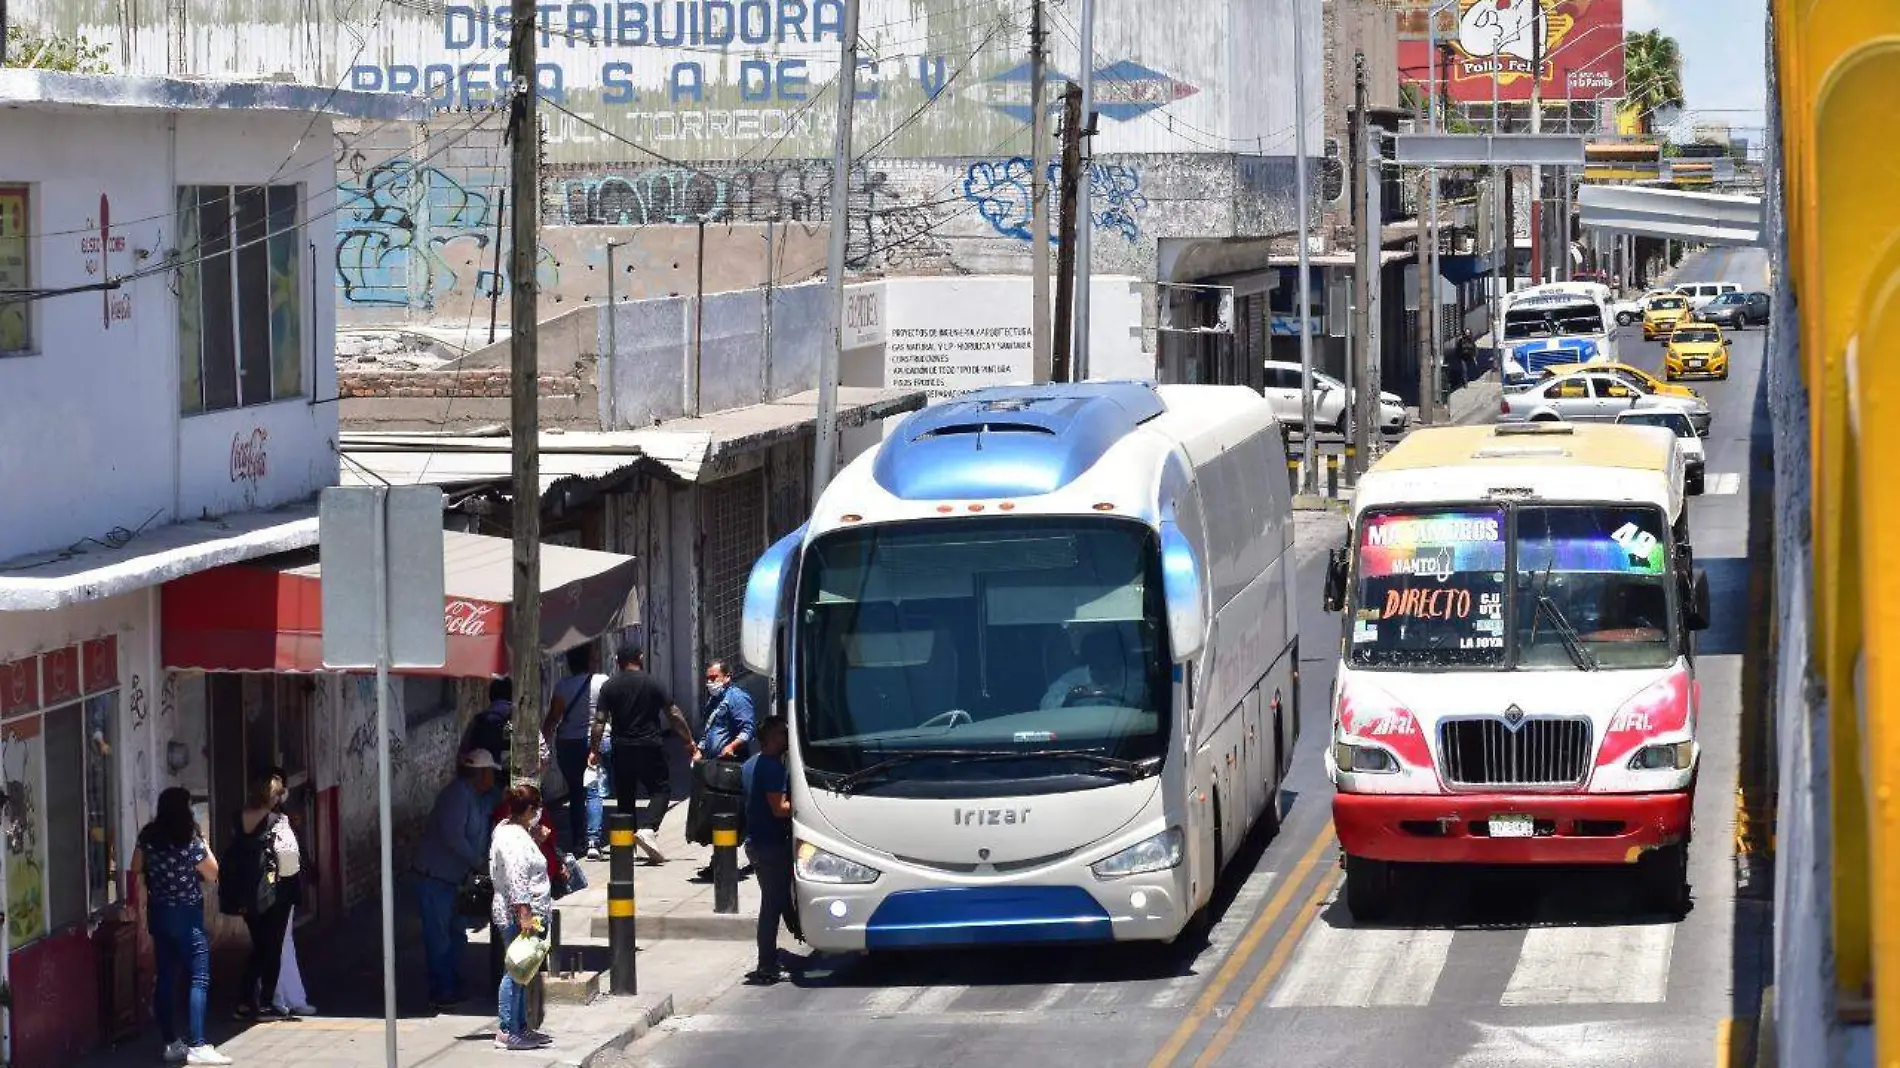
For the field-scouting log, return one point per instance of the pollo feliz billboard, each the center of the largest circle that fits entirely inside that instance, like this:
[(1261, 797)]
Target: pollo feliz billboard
[(1580, 41)]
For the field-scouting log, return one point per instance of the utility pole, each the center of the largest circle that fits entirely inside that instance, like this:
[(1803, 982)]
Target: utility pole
[(1501, 268), (1364, 397), (1309, 479), (825, 449), (524, 614), (1040, 357), (1427, 312), (1510, 228), (1084, 217), (1539, 247), (1062, 367), (1436, 336)]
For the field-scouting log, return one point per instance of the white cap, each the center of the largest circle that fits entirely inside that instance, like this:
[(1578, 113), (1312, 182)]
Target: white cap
[(479, 759)]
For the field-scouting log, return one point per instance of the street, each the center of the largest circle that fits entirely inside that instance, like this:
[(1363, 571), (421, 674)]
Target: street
[(1480, 969)]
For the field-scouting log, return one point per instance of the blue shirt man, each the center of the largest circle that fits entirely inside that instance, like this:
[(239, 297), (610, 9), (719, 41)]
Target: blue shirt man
[(768, 843), (731, 719)]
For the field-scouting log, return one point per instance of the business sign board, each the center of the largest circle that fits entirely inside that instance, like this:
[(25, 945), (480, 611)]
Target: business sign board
[(1482, 41)]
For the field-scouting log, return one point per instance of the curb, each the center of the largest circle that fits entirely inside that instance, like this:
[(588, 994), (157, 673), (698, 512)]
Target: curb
[(642, 1022), (736, 927)]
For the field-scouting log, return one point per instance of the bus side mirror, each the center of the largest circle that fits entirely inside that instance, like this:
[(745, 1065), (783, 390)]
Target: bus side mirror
[(768, 592), (1699, 600), (1184, 592), (1335, 595)]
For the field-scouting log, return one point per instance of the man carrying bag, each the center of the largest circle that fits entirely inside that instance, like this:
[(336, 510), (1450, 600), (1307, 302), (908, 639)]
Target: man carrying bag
[(718, 785)]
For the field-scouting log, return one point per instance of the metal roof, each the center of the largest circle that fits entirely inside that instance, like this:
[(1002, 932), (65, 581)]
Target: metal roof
[(1505, 445), (58, 91)]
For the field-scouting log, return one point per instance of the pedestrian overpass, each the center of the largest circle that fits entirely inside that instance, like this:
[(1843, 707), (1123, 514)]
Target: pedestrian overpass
[(1703, 218)]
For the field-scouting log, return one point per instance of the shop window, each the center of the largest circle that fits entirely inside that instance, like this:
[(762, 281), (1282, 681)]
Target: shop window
[(240, 306), (57, 748), (16, 275)]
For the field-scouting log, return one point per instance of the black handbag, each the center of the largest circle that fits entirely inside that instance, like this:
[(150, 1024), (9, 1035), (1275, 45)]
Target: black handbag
[(475, 898), (718, 787)]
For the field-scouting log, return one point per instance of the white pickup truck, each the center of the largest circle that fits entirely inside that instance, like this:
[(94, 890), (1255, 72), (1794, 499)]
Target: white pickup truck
[(1630, 312)]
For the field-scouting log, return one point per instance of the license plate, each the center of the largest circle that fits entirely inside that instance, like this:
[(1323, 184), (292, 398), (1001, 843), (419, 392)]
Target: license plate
[(1513, 827)]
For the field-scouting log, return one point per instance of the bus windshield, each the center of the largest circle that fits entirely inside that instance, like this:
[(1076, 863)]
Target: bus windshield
[(982, 657), (1589, 588)]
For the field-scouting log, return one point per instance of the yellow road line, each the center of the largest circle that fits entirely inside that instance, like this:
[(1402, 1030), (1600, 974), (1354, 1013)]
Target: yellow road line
[(1296, 929), (1237, 958), (1725, 1043)]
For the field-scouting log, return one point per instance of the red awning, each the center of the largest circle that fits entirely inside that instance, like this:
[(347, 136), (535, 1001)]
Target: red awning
[(267, 615)]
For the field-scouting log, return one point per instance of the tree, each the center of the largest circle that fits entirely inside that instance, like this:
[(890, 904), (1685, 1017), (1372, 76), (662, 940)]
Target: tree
[(26, 47), (1653, 74)]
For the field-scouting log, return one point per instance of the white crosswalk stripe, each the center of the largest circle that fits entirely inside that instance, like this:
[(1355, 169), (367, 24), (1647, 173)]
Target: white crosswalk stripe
[(1593, 966), (1728, 482), (1354, 967)]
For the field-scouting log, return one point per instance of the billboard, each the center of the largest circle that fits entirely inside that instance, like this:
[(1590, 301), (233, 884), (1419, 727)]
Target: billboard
[(1486, 41)]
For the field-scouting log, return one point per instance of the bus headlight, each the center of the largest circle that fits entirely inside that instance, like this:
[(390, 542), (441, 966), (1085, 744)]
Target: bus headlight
[(1159, 853), (817, 866), (1363, 758), (1676, 756)]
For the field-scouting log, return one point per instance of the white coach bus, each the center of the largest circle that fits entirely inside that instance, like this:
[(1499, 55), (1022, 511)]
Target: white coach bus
[(1039, 652)]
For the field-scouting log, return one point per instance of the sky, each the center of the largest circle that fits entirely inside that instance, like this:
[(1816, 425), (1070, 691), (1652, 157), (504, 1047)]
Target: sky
[(1723, 62)]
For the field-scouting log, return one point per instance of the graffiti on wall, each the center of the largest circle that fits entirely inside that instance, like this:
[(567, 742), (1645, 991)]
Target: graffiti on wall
[(888, 226), (1000, 191), (409, 235)]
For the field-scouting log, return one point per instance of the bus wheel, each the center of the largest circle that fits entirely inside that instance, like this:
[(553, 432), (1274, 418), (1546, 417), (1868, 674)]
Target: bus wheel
[(1369, 888), (1664, 875)]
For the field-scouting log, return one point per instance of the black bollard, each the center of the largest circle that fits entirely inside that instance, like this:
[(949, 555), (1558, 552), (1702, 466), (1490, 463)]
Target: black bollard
[(725, 837), (1332, 475), (1293, 473), (620, 903)]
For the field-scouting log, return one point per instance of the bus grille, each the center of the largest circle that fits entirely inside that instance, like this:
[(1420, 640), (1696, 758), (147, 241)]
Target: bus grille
[(1540, 752)]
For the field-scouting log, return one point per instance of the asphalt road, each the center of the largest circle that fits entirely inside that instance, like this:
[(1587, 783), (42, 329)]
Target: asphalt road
[(1482, 969)]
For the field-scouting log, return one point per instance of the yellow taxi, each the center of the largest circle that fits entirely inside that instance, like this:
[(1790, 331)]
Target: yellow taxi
[(1663, 314), (1636, 376), (1696, 350)]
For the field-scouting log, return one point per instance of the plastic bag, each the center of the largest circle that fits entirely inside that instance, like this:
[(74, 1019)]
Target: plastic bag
[(525, 956)]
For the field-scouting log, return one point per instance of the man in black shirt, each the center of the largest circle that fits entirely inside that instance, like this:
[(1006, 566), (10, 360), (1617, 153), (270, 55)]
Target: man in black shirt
[(641, 712)]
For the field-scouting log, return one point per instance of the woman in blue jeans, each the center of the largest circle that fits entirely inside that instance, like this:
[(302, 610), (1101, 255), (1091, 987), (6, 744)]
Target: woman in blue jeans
[(172, 855), (523, 899)]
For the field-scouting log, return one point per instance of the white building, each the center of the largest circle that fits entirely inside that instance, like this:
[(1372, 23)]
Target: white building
[(166, 327)]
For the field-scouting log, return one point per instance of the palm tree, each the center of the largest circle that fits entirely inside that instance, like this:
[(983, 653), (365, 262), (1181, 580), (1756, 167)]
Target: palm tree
[(1652, 74)]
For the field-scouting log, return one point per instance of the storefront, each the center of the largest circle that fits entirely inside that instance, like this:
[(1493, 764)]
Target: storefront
[(242, 647)]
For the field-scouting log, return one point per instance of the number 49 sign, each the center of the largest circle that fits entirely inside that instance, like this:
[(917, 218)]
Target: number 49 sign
[(1639, 543)]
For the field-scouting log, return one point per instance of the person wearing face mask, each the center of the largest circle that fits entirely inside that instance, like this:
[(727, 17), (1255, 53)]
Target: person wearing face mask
[(730, 723)]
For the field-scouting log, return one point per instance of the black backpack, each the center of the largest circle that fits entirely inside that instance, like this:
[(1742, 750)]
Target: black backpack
[(247, 870)]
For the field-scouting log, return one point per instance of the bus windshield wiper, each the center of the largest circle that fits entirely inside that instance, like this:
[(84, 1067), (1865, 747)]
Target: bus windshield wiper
[(1134, 769), (1567, 634)]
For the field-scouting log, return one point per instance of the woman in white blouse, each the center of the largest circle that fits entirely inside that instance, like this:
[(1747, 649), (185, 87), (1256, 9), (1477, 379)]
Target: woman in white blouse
[(523, 899)]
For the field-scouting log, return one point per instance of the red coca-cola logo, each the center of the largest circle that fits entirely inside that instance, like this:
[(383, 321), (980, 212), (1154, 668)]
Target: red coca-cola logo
[(248, 459), (467, 618)]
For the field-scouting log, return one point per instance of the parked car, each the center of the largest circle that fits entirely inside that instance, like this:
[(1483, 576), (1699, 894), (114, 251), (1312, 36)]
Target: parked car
[(1696, 350), (1701, 293), (1662, 315), (1594, 396), (1694, 453), (1282, 391), (1737, 310)]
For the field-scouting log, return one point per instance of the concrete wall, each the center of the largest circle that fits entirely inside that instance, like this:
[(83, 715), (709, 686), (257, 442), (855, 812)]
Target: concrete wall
[(93, 438), (747, 78), (1807, 1025), (422, 215)]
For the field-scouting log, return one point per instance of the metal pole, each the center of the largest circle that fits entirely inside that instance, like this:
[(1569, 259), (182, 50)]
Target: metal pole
[(1366, 235), (621, 908), (613, 342), (1310, 480), (494, 287), (1437, 337), (385, 822), (1041, 358), (1540, 250), (825, 449), (1500, 241), (1062, 361), (1085, 189)]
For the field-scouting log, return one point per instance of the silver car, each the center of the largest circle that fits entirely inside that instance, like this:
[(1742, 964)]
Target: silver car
[(1595, 396)]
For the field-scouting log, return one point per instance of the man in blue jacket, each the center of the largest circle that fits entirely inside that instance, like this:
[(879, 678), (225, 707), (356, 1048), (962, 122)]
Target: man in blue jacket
[(454, 843)]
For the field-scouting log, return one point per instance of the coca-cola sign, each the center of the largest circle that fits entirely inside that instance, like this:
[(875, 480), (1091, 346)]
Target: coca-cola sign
[(468, 619), (249, 462)]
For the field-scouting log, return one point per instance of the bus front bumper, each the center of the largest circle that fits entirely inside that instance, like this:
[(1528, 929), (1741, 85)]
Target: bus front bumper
[(851, 919), (1457, 828)]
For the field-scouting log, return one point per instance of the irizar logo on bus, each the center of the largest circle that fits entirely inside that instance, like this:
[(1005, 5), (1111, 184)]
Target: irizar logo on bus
[(989, 817)]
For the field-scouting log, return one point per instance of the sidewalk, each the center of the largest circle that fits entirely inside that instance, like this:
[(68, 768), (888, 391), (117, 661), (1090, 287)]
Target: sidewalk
[(678, 972)]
